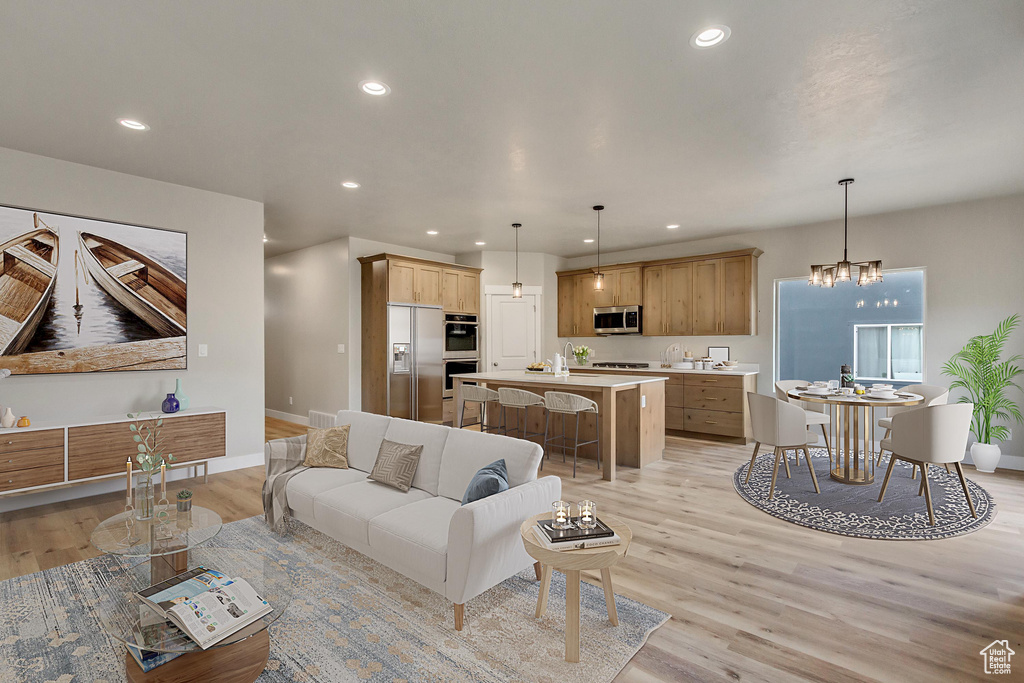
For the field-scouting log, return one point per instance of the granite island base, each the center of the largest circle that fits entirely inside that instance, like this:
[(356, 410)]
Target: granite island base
[(632, 410)]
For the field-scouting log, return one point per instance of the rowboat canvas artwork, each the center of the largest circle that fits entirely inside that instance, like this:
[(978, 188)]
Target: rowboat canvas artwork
[(85, 295)]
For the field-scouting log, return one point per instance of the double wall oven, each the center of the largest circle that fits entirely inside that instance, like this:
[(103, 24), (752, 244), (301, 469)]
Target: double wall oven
[(461, 347)]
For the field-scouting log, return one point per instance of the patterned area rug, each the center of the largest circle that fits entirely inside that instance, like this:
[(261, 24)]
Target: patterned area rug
[(855, 511), (351, 619)]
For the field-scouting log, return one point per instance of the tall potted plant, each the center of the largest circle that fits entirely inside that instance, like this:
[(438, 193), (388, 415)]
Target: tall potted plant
[(988, 383)]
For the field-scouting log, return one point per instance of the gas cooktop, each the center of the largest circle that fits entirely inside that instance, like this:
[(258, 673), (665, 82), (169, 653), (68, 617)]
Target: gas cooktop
[(622, 364)]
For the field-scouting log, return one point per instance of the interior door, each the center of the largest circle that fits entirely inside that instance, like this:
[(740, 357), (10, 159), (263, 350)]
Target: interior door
[(512, 332), (706, 279), (655, 302), (401, 282), (736, 285), (679, 296)]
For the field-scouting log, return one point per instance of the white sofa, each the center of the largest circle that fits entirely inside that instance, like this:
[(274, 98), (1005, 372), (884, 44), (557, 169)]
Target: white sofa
[(426, 533)]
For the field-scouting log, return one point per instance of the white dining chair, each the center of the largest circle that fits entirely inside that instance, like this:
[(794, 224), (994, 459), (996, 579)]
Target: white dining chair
[(933, 435), (815, 413), (781, 425), (933, 396)]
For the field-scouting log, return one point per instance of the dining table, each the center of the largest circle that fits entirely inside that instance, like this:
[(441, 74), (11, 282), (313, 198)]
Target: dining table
[(853, 429)]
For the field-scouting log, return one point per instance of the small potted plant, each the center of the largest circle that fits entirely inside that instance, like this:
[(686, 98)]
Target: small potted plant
[(184, 500), (988, 383), (582, 353)]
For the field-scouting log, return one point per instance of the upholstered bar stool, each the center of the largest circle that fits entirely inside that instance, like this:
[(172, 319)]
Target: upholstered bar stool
[(519, 400), (567, 404), (472, 393), (814, 413), (781, 425)]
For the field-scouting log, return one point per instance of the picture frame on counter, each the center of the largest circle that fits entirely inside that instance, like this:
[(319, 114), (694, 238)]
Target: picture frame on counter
[(718, 353)]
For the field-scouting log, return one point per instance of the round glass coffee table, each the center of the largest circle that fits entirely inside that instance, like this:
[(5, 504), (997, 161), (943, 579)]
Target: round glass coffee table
[(241, 656)]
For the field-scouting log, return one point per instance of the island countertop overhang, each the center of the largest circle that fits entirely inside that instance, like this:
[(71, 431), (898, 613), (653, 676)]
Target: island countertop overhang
[(577, 380)]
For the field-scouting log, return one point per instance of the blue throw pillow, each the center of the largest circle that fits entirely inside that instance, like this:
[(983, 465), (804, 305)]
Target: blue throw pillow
[(488, 481)]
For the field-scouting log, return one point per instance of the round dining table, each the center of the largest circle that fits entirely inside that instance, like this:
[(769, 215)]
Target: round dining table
[(853, 430)]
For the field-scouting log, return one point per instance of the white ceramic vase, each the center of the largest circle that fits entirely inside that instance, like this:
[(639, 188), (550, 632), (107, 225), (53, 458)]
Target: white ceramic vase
[(985, 456), (8, 419)]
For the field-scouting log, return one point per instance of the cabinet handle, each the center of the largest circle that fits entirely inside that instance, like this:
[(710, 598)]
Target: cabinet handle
[(10, 461), (710, 422), (710, 380), (710, 398), (9, 443), (10, 481)]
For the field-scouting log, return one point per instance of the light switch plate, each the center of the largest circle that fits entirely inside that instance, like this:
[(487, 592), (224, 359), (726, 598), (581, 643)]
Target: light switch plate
[(341, 348), (202, 351)]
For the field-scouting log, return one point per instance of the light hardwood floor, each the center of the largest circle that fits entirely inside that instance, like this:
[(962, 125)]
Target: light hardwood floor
[(752, 598)]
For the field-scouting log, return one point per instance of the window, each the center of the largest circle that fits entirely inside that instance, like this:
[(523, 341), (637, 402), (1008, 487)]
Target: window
[(893, 352), (877, 330)]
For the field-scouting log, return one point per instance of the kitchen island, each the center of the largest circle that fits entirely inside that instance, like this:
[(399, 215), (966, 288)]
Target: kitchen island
[(632, 410)]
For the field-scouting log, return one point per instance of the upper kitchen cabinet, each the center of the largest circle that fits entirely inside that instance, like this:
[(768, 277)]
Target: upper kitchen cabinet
[(461, 291), (429, 283), (707, 295)]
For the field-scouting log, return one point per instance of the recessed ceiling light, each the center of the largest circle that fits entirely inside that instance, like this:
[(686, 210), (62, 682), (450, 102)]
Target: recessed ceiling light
[(710, 36), (673, 226), (374, 88), (480, 244), (134, 125), (431, 232), (588, 241), (350, 185)]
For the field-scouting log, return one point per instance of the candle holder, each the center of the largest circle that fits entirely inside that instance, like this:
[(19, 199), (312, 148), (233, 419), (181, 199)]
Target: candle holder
[(588, 514), (561, 515), (144, 503)]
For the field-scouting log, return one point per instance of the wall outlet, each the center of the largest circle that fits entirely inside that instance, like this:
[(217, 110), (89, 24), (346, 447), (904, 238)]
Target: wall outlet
[(290, 401), (202, 351), (341, 348)]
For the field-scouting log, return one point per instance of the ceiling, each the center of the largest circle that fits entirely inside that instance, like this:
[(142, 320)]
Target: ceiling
[(528, 111)]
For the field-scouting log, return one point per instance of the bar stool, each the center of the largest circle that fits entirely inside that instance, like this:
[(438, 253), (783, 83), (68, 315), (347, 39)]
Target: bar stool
[(483, 396), (519, 399), (570, 404)]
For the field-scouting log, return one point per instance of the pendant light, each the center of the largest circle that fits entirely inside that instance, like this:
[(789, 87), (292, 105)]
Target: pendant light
[(598, 276), (828, 275), (517, 286)]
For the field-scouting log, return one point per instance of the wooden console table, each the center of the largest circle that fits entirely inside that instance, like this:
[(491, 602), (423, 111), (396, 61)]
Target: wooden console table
[(51, 455)]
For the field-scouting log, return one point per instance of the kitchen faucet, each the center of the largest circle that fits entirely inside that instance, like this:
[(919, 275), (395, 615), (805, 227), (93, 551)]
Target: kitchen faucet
[(572, 349)]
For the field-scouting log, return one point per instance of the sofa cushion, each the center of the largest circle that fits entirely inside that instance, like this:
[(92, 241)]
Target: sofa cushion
[(413, 540), (433, 438), (467, 451), (327, 447), (304, 487), (486, 482), (396, 464), (344, 513), (364, 438)]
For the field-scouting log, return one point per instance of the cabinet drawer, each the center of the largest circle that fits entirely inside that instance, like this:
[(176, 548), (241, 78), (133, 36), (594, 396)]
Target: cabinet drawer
[(40, 457), (711, 397), (35, 476), (674, 418), (729, 381), (714, 422), (24, 441), (674, 395)]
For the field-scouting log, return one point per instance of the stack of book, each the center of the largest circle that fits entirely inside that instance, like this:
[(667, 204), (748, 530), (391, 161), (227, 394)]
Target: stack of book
[(574, 538)]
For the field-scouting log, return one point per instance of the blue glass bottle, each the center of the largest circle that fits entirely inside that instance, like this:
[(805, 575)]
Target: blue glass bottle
[(170, 404)]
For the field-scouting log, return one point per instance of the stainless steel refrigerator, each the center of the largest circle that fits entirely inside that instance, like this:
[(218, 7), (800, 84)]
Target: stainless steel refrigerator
[(415, 377)]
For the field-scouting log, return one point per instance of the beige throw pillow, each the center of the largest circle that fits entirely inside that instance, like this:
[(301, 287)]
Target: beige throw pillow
[(327, 447), (396, 464)]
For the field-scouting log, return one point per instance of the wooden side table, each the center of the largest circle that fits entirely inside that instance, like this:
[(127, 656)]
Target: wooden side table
[(571, 563)]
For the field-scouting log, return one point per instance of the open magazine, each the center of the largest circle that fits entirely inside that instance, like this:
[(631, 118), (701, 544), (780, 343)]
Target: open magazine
[(206, 604)]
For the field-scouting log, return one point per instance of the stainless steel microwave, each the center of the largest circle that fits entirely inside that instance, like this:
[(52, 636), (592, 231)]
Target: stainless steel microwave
[(618, 320)]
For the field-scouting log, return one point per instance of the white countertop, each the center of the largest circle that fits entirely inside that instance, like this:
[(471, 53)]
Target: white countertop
[(740, 370), (38, 425), (579, 378)]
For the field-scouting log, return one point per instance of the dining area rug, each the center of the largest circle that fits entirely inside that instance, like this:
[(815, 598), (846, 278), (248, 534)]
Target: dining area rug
[(854, 510), (350, 619)]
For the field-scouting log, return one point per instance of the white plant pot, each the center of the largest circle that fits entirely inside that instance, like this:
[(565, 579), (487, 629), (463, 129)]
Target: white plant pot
[(985, 456)]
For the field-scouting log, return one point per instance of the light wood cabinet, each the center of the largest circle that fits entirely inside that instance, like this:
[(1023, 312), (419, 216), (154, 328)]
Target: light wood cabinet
[(566, 306), (577, 297), (585, 301), (401, 282), (706, 296), (622, 287), (667, 300), (461, 291), (655, 313), (428, 285), (738, 307)]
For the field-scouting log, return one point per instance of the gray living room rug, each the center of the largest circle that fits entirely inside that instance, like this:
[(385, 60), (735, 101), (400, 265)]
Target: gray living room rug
[(351, 619)]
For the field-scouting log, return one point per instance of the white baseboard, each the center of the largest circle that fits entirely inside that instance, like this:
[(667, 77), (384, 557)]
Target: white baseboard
[(288, 417), (96, 488)]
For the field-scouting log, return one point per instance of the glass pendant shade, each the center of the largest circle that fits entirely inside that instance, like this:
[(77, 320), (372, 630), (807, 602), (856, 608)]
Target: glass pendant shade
[(598, 281), (863, 277), (815, 278), (875, 271), (827, 278), (517, 290), (843, 271)]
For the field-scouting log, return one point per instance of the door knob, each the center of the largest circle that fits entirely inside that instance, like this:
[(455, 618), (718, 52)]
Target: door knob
[(495, 364)]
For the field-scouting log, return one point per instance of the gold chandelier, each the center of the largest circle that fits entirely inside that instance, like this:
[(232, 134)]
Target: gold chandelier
[(827, 275)]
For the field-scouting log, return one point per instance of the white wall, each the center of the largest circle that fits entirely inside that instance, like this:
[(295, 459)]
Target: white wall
[(313, 303), (225, 302), (972, 253)]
